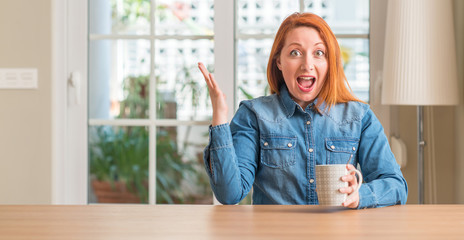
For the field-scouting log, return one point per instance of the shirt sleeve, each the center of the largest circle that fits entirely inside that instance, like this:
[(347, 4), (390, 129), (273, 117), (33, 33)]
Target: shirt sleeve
[(384, 184), (231, 156)]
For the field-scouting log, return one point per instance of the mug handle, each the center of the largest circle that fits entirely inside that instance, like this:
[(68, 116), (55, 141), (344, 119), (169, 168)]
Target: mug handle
[(360, 177)]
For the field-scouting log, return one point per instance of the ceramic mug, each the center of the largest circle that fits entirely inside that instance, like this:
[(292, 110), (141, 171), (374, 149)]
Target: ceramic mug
[(328, 183)]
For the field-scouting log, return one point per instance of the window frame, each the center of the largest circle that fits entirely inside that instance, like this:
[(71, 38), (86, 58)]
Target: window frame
[(69, 118), (70, 121)]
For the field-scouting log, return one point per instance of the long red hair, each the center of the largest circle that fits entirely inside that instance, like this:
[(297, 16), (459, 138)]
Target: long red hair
[(336, 88)]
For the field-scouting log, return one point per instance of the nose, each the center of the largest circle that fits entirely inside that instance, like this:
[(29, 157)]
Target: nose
[(307, 64)]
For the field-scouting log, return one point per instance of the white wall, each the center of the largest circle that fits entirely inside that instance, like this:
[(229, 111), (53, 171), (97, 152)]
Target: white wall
[(25, 115)]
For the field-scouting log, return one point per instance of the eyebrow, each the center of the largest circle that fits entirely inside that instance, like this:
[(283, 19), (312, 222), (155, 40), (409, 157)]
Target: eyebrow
[(299, 44)]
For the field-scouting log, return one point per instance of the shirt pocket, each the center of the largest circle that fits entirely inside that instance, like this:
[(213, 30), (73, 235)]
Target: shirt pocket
[(278, 151), (339, 150)]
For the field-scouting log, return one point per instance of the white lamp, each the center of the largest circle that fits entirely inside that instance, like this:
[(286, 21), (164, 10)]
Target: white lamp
[(420, 61)]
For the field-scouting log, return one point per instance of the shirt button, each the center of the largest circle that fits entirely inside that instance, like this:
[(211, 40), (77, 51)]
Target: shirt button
[(289, 145), (311, 180), (308, 122), (354, 149), (265, 144), (311, 150), (333, 147)]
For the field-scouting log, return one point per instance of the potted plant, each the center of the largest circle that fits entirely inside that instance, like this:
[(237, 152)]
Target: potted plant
[(119, 156), (119, 164)]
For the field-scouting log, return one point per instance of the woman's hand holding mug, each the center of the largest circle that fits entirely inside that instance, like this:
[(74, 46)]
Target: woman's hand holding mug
[(337, 185), (352, 190)]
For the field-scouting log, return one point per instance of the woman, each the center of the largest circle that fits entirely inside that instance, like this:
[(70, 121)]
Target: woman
[(273, 143)]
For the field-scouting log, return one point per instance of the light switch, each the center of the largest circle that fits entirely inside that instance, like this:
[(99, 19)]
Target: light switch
[(18, 78)]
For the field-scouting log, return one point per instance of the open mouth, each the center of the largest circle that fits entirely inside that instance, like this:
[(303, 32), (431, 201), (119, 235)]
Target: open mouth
[(306, 83)]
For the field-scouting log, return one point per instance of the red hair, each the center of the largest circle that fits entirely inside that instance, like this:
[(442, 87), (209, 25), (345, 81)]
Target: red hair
[(336, 88)]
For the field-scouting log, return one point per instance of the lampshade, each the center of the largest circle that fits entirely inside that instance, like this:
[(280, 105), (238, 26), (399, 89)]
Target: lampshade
[(420, 56)]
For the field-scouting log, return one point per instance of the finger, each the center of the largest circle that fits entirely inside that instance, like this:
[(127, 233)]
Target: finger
[(216, 87), (203, 69), (205, 73), (349, 167), (348, 190), (213, 81), (348, 178), (350, 203), (352, 200)]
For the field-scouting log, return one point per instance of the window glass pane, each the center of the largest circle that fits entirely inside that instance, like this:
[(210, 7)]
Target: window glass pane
[(253, 55), (181, 90), (119, 17), (355, 55), (263, 16), (118, 164), (343, 16), (184, 17), (180, 172), (119, 73)]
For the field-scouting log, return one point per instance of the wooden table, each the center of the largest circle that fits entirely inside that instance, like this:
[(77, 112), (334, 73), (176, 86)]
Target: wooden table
[(229, 222)]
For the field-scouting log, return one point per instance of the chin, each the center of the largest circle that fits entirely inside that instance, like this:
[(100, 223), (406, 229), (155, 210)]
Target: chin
[(308, 98)]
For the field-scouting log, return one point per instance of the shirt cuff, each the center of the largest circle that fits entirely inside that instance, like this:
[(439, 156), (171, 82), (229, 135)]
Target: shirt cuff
[(220, 136), (367, 198)]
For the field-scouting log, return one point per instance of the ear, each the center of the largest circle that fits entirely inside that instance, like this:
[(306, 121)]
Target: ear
[(279, 65)]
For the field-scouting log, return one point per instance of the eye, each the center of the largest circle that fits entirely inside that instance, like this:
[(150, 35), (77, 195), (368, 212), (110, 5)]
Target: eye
[(320, 53), (295, 53)]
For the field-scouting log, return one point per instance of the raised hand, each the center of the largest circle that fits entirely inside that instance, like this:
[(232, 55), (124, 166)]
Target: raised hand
[(218, 99)]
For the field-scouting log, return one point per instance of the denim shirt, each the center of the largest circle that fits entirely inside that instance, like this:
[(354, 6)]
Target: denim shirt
[(274, 145)]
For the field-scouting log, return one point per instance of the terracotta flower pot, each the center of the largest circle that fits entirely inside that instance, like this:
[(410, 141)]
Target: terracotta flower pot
[(116, 193)]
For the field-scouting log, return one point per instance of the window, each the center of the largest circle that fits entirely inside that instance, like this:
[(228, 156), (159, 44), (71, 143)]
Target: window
[(257, 23), (148, 107)]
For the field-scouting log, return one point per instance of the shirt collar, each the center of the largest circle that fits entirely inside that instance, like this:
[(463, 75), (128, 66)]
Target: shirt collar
[(289, 104)]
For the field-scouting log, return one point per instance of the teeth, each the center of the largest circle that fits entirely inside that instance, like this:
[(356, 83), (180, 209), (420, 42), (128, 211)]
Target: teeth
[(306, 78)]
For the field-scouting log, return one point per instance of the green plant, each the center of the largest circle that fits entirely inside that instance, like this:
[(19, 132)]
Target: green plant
[(129, 11), (121, 154), (171, 169)]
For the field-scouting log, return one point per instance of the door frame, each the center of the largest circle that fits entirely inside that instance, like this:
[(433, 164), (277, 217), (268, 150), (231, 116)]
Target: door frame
[(69, 102)]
